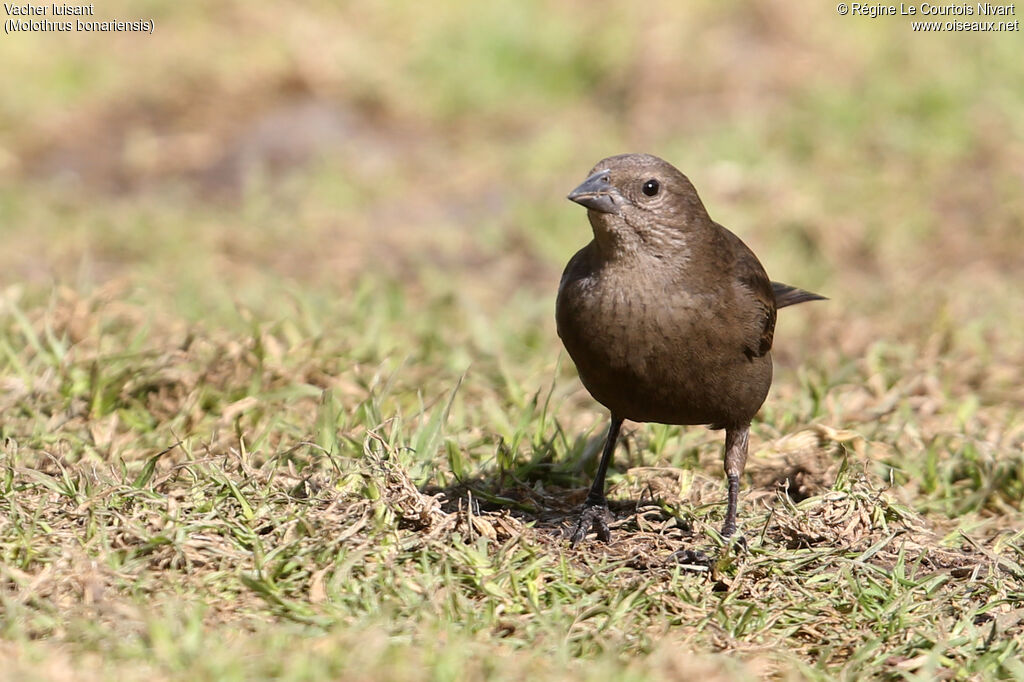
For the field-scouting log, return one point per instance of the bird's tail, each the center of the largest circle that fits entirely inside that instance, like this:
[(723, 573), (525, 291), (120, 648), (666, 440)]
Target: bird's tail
[(786, 295)]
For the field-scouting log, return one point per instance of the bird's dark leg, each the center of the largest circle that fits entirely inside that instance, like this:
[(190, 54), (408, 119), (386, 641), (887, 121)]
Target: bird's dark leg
[(735, 459), (595, 508)]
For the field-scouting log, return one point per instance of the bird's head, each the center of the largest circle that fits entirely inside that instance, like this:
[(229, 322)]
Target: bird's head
[(639, 202)]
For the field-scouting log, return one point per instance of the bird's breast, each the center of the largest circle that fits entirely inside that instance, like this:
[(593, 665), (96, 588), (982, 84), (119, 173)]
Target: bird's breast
[(652, 350)]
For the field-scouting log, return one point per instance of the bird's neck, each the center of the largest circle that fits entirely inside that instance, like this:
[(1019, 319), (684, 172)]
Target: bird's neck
[(640, 246)]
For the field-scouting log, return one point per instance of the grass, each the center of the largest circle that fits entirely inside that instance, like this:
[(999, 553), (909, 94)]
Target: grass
[(299, 411)]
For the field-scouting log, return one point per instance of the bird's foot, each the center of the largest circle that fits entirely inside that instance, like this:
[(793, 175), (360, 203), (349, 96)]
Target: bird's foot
[(731, 537), (595, 515), (693, 557)]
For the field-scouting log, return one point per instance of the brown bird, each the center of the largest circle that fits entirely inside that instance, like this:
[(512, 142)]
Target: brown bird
[(668, 316)]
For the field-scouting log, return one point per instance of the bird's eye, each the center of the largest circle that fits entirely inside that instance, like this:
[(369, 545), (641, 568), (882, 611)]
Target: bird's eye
[(651, 187)]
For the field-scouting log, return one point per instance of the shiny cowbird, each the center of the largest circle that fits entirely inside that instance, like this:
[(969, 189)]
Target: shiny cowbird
[(668, 316)]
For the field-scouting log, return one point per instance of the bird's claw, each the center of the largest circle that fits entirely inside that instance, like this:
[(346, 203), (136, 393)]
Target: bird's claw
[(739, 542), (593, 516), (729, 534), (692, 557)]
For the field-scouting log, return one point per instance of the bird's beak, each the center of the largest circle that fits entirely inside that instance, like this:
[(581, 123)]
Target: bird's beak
[(596, 193)]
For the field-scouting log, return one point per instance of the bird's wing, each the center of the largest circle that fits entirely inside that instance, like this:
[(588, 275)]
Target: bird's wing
[(750, 275), (753, 277)]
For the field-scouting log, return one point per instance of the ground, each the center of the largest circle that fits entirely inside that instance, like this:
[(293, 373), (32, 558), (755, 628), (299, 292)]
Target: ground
[(282, 395)]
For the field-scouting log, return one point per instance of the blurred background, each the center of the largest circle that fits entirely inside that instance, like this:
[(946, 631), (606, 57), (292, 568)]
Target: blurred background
[(391, 176)]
